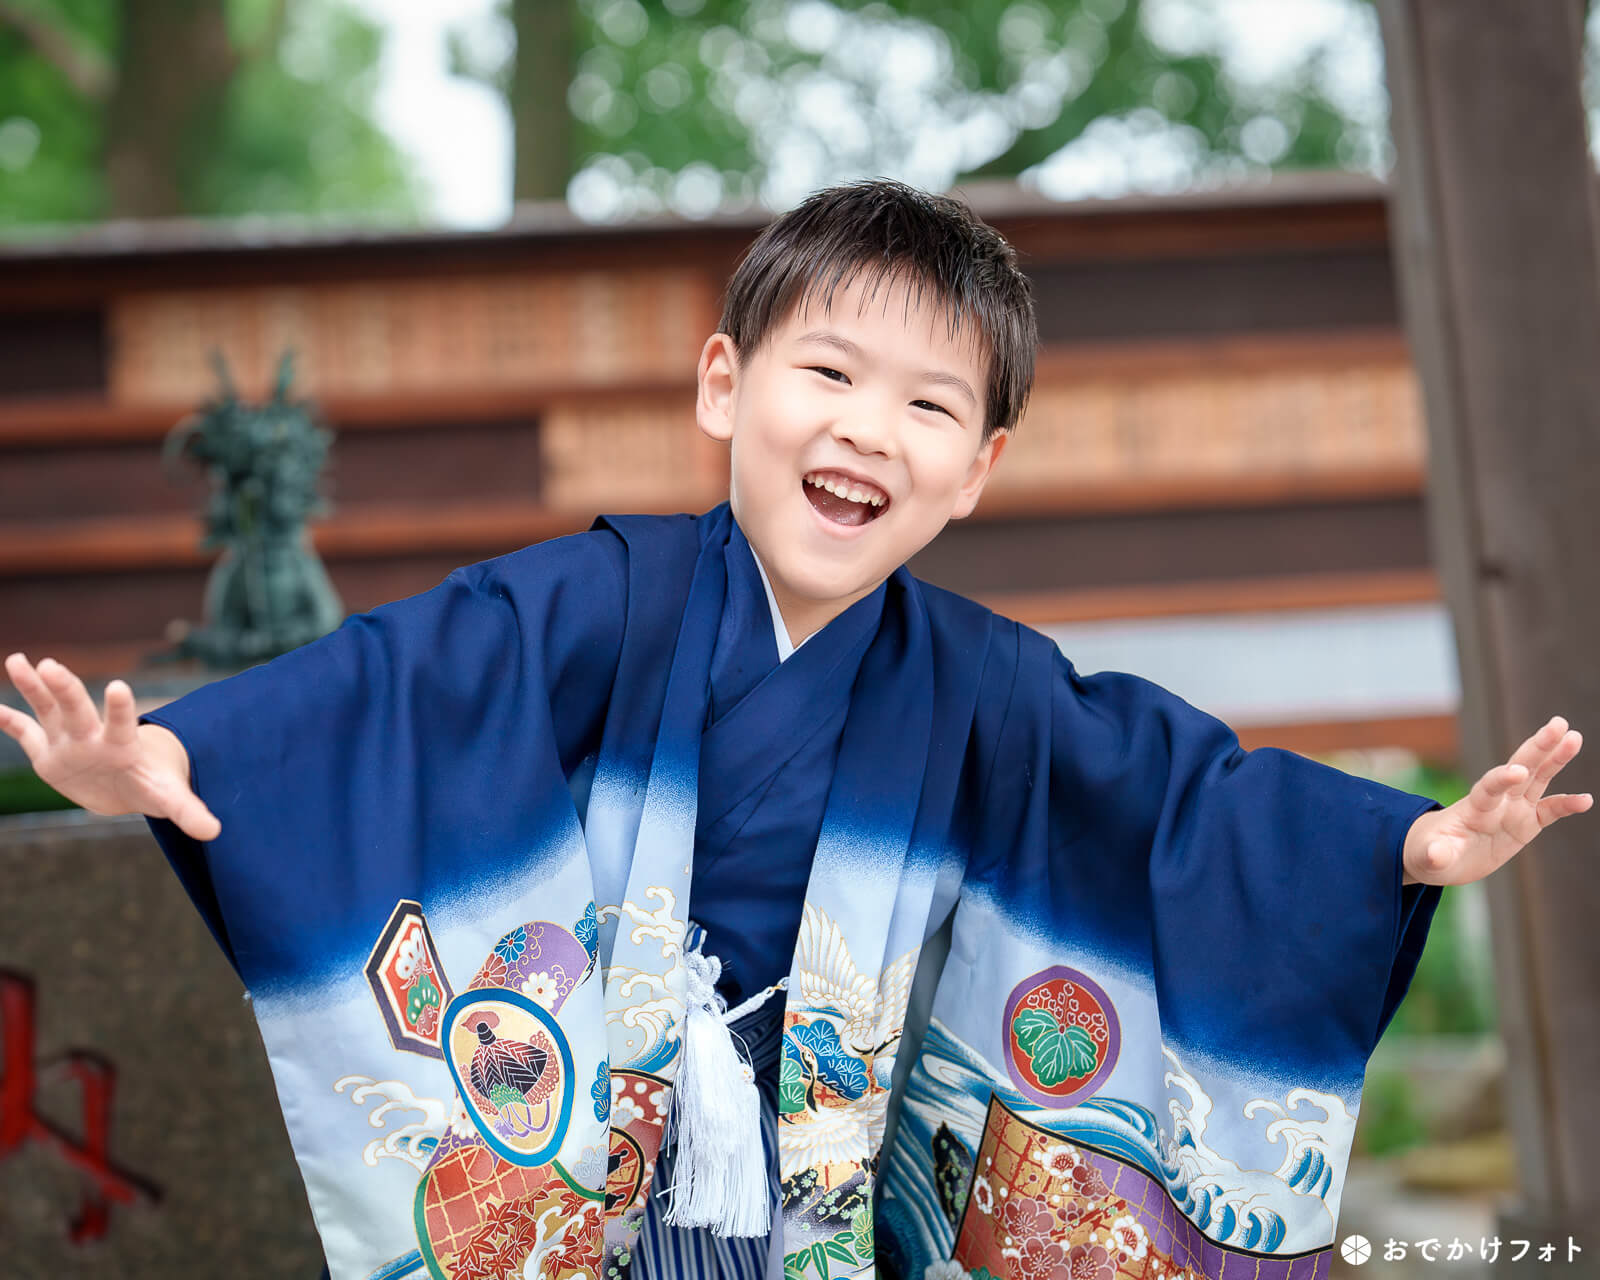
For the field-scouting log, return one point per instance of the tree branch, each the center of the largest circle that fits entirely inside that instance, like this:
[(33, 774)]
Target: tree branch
[(86, 70)]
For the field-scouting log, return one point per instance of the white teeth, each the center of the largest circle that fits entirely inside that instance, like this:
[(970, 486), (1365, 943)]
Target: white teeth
[(847, 492)]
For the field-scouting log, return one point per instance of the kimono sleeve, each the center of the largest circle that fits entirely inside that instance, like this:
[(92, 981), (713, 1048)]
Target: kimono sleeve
[(415, 748), (1260, 891)]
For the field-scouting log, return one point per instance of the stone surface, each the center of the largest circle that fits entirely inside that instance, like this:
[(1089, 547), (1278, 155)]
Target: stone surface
[(122, 967)]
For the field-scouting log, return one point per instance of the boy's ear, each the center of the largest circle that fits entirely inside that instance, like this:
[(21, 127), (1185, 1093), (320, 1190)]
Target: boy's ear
[(717, 374), (978, 474)]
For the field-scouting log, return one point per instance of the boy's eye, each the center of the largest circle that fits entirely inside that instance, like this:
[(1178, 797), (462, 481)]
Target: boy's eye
[(833, 375)]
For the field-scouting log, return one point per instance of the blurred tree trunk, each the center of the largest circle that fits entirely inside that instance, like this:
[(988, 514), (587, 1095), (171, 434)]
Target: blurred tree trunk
[(1492, 218), (165, 112), (543, 69)]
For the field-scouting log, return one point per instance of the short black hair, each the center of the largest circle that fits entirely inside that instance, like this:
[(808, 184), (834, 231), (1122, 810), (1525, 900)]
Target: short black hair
[(888, 229)]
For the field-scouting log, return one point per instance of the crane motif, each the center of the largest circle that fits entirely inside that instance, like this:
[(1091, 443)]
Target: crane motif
[(848, 1018)]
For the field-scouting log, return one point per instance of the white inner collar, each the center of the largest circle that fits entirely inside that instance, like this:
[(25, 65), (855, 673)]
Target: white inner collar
[(780, 632)]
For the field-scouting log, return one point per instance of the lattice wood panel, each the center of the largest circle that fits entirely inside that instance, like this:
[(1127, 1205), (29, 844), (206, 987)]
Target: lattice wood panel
[(610, 453), (382, 337), (1191, 423)]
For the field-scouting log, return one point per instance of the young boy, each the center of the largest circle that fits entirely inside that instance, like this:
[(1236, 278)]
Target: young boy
[(500, 857)]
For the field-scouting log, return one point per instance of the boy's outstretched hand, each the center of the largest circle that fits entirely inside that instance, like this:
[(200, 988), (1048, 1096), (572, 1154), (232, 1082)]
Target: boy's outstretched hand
[(110, 767), (1505, 809)]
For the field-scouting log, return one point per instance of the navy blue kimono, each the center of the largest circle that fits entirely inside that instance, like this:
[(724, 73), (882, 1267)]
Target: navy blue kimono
[(465, 835)]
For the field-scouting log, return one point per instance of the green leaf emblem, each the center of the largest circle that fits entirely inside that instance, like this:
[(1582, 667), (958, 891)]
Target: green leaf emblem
[(1055, 1055)]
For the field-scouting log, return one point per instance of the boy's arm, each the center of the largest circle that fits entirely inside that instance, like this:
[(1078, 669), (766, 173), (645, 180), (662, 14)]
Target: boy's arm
[(1497, 819), (397, 752), (1263, 888)]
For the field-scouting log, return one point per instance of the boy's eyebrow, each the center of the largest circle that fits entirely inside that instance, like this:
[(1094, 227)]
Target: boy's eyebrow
[(827, 338)]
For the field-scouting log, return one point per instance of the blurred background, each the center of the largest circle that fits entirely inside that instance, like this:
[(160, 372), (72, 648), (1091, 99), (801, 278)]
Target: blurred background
[(494, 234), (444, 114)]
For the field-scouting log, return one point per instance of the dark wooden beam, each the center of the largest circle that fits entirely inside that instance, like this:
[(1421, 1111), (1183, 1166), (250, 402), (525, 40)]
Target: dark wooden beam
[(1496, 252), (1175, 545), (1433, 738), (1284, 593)]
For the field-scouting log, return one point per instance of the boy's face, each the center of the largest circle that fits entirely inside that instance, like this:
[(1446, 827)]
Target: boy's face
[(872, 395)]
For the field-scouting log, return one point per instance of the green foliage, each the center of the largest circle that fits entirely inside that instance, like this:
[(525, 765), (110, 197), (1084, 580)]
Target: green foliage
[(303, 140), (50, 134), (665, 86), (1390, 1119), (250, 22), (1452, 993), (22, 791), (295, 133), (650, 80), (1437, 783)]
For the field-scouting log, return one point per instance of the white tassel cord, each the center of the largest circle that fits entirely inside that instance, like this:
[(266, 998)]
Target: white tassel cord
[(719, 1179)]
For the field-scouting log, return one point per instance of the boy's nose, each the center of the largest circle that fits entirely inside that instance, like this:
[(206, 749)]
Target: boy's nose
[(868, 432)]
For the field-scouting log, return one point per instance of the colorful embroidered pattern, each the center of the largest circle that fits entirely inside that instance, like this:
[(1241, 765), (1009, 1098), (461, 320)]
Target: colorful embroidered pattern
[(1044, 1208), (638, 1115), (493, 1200), (408, 981), (540, 960), (838, 1052), (1061, 1036), (490, 1172), (846, 1254), (513, 1068), (479, 1218)]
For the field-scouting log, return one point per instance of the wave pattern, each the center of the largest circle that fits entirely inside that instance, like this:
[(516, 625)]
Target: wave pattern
[(1282, 1210)]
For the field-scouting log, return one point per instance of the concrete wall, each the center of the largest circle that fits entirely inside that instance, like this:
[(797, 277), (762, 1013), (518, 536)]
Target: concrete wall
[(127, 985)]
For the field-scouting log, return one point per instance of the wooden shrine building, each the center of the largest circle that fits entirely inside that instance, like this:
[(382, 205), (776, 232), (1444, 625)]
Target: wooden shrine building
[(1225, 424)]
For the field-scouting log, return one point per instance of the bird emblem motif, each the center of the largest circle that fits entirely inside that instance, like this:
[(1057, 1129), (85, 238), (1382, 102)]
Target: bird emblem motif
[(510, 1078)]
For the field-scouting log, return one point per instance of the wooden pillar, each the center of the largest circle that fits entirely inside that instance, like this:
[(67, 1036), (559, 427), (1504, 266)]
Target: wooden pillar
[(1493, 228)]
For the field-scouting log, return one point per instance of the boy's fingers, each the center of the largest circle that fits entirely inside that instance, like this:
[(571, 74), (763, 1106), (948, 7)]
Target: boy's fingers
[(1553, 808), (78, 715), (198, 822), (1536, 748), (173, 800), (1560, 756), (1490, 789), (121, 725), (26, 731), (33, 689)]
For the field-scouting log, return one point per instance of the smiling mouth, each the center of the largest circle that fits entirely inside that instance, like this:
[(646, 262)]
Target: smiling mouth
[(840, 510)]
